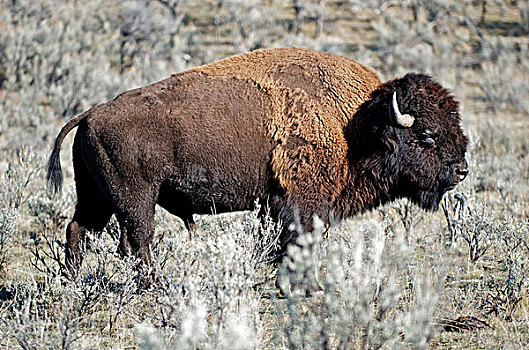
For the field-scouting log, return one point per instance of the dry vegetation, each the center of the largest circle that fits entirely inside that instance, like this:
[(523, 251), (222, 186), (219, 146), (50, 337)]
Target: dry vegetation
[(391, 278)]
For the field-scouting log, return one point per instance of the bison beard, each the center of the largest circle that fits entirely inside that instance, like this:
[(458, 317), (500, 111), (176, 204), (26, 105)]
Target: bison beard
[(305, 132)]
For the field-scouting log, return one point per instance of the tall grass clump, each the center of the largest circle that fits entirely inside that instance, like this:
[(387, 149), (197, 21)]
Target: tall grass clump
[(249, 24), (207, 293), (508, 288), (505, 76), (8, 230), (17, 182), (363, 291), (55, 312), (415, 36)]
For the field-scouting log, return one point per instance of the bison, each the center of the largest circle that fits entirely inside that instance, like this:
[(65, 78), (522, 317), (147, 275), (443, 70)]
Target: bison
[(305, 132)]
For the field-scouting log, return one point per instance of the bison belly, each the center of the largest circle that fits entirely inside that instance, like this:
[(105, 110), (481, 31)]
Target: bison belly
[(229, 177)]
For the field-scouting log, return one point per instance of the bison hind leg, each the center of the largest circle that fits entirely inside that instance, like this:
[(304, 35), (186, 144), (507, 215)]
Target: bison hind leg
[(84, 220), (136, 222), (135, 210), (92, 213)]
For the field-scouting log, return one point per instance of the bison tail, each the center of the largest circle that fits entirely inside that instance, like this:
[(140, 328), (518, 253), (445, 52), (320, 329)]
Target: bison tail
[(54, 174)]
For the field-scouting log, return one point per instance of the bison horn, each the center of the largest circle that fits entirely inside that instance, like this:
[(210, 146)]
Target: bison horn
[(404, 120)]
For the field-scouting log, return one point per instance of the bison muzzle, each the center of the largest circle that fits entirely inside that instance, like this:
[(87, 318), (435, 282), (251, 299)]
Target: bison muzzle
[(305, 132)]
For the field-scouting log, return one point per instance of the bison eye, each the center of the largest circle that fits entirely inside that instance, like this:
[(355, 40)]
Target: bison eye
[(426, 139)]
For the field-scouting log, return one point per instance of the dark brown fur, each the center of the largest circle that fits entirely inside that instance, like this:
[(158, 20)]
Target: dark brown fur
[(304, 131)]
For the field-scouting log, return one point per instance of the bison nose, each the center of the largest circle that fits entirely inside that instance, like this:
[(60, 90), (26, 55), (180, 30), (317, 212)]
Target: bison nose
[(461, 171)]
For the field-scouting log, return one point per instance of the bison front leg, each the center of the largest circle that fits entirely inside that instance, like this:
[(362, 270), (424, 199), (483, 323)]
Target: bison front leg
[(296, 219), (281, 211)]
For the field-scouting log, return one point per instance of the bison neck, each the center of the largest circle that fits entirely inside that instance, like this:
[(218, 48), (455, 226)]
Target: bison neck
[(365, 190), (370, 181)]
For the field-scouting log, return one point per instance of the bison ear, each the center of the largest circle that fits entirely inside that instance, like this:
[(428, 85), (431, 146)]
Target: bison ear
[(396, 117)]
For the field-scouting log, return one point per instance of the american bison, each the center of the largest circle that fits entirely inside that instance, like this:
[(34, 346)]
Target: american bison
[(303, 131)]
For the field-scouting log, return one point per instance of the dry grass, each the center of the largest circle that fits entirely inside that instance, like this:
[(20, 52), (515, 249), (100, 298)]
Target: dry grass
[(390, 277)]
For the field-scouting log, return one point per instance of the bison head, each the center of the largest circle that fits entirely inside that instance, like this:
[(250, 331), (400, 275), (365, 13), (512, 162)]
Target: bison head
[(418, 142)]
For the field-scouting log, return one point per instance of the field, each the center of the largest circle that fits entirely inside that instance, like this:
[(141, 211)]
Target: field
[(396, 277)]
